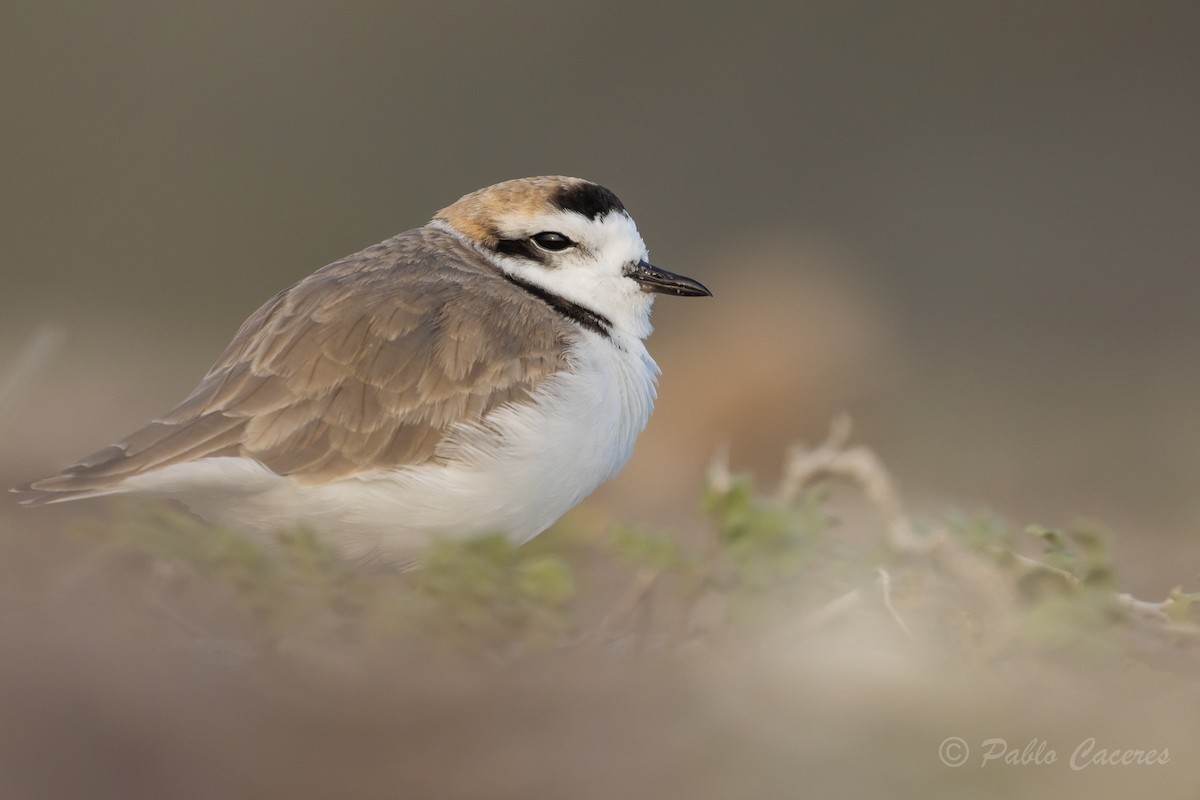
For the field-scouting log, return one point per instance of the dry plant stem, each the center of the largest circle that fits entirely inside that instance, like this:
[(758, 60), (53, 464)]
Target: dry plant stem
[(1033, 563), (703, 578), (860, 466), (641, 634), (996, 601), (803, 464), (162, 575), (630, 601), (969, 569), (1155, 614), (1141, 611), (830, 612), (35, 356), (885, 586)]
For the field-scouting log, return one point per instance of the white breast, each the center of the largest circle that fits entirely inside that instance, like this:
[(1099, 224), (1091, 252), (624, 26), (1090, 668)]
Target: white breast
[(518, 472)]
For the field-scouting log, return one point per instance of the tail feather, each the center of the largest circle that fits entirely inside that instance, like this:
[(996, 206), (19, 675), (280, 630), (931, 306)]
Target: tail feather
[(89, 478), (156, 445), (31, 496)]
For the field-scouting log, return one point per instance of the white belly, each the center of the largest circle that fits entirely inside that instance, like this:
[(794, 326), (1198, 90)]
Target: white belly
[(517, 474)]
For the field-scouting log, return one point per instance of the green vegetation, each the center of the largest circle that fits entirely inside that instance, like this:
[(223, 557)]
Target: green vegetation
[(966, 585)]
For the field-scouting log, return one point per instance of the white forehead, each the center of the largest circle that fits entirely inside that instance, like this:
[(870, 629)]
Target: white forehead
[(609, 236)]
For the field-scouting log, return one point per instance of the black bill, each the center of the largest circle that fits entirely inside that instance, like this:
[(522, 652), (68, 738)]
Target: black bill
[(654, 279)]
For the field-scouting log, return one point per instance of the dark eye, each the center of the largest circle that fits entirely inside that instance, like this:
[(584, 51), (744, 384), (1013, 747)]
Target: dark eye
[(554, 242)]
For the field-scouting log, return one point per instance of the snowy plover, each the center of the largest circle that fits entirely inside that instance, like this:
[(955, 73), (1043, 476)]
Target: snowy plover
[(483, 372)]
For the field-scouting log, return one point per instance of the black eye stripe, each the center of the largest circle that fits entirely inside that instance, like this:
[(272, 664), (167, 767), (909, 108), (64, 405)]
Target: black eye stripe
[(521, 248), (535, 248)]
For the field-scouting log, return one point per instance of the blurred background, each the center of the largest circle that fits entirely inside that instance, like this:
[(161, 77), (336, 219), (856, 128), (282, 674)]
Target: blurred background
[(972, 226)]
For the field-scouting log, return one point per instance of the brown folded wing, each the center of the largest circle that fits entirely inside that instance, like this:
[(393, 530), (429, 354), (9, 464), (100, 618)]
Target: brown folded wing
[(361, 366)]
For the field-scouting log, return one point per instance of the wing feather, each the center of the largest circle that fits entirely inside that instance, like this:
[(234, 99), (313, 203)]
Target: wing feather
[(365, 365)]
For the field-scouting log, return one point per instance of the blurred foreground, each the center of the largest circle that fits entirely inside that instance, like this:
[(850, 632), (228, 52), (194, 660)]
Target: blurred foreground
[(810, 641)]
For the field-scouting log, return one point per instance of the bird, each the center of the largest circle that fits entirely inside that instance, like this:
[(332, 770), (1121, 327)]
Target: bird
[(482, 373)]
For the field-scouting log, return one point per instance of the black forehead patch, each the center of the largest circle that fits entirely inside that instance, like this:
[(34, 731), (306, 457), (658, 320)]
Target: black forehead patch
[(588, 199)]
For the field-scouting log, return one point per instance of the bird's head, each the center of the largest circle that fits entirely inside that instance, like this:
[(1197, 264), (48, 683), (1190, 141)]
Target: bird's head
[(572, 238)]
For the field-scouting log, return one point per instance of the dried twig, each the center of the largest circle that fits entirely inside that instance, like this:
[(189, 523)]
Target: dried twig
[(861, 466), (993, 595), (833, 610), (630, 601), (885, 587), (37, 353), (803, 464)]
